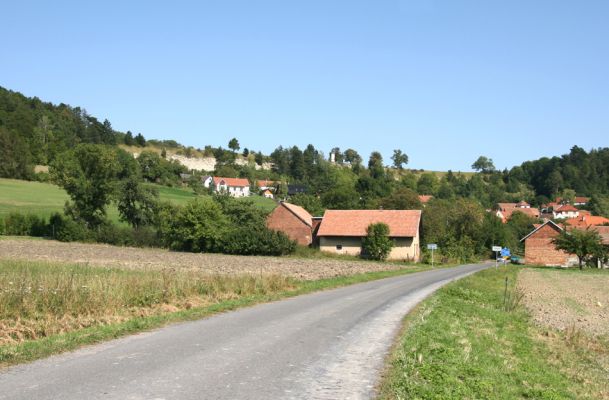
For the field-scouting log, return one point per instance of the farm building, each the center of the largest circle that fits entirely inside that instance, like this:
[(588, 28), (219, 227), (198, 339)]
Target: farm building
[(236, 187), (294, 221), (341, 231), (505, 210), (539, 249)]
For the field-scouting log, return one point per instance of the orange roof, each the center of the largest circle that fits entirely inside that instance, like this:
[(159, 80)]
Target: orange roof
[(402, 223), (299, 212), (523, 203), (241, 182), (265, 183), (566, 208), (584, 221), (581, 199), (424, 198), (507, 209)]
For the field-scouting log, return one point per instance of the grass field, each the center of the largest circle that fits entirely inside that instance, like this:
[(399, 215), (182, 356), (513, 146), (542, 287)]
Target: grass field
[(47, 308), (43, 199), (470, 341)]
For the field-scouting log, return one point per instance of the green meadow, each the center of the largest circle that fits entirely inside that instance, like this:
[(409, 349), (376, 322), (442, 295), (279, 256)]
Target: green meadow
[(43, 199)]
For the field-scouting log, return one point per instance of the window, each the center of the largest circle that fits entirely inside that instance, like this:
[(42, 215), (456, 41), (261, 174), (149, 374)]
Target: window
[(339, 247)]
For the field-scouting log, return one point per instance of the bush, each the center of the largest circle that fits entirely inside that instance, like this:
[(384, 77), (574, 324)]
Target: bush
[(116, 235), (260, 241), (65, 229), (377, 245), (25, 225)]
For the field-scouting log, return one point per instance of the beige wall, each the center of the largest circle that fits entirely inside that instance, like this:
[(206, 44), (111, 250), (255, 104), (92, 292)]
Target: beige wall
[(404, 248)]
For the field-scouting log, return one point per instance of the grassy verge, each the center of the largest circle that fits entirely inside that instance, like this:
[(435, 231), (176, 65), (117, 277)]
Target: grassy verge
[(51, 308), (469, 341)]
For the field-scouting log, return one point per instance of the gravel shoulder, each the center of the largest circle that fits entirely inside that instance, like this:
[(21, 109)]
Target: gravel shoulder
[(567, 299), (127, 257)]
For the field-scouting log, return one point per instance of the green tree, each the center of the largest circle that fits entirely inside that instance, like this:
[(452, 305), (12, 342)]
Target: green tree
[(599, 205), (402, 199), (375, 165), (585, 244), (399, 158), (297, 165), (352, 157), (140, 140), (137, 205), (89, 174), (199, 226), (309, 202), (233, 144), (128, 139), (428, 183), (483, 164), (377, 244), (14, 156)]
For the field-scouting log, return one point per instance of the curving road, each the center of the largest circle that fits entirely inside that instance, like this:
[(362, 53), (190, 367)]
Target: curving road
[(325, 345)]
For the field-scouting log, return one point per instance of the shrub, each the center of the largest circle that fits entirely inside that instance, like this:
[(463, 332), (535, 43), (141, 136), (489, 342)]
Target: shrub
[(65, 229), (25, 225), (259, 241), (377, 245), (116, 235)]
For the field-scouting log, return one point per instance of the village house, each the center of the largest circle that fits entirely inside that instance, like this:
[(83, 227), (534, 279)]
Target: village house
[(425, 198), (565, 211), (294, 221), (266, 185), (586, 220), (236, 187), (296, 189), (539, 249), (268, 194), (342, 231), (505, 210)]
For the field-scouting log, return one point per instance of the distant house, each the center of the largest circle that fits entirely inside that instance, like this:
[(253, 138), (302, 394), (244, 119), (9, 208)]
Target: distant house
[(565, 211), (584, 221), (341, 231), (268, 194), (296, 189), (294, 221), (539, 249), (425, 198), (581, 201), (267, 185), (505, 210), (236, 187)]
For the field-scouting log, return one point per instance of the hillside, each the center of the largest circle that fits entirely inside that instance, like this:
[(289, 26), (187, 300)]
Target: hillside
[(43, 199)]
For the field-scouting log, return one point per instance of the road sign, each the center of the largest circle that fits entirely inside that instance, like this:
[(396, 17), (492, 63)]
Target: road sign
[(432, 246), (496, 248), (505, 252)]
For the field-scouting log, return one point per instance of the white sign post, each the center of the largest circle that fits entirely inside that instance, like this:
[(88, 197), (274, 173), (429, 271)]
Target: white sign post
[(432, 247), (496, 249)]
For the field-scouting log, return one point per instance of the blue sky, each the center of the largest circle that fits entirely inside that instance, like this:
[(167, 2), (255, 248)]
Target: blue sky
[(445, 81)]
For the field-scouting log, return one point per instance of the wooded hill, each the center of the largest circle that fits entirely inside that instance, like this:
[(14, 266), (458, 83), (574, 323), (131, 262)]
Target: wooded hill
[(36, 132)]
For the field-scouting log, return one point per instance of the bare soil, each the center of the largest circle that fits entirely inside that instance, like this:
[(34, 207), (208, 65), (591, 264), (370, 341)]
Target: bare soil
[(105, 255), (567, 299)]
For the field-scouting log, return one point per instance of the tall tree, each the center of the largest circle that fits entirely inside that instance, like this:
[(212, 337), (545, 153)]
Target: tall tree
[(140, 140), (89, 174), (399, 158), (375, 165), (483, 164), (233, 144)]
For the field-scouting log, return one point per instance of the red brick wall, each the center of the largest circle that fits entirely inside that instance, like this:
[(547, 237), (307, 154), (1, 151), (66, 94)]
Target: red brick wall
[(281, 219), (538, 248)]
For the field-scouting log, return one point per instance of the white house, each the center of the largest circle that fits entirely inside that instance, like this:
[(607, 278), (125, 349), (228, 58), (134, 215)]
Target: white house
[(565, 211), (236, 187)]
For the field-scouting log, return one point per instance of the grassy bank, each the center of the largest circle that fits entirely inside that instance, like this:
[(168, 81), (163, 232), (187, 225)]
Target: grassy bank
[(50, 308), (470, 341), (43, 199)]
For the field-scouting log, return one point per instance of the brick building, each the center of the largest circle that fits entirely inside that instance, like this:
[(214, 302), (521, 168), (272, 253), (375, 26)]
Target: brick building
[(294, 221), (539, 249)]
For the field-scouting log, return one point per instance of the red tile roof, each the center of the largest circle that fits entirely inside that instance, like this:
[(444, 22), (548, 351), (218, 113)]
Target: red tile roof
[(424, 198), (604, 232), (234, 182), (565, 208), (299, 212), (402, 223), (581, 199), (584, 221), (266, 183)]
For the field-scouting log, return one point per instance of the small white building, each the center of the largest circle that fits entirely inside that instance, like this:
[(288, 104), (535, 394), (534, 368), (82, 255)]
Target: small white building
[(235, 187), (565, 211)]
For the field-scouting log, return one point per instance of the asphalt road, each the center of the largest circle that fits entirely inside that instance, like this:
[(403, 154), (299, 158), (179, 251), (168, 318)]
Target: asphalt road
[(325, 345)]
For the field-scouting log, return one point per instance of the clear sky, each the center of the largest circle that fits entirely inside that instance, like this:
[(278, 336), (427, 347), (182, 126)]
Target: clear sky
[(445, 81)]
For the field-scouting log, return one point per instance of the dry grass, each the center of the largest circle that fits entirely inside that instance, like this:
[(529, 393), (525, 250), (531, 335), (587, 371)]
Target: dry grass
[(42, 299)]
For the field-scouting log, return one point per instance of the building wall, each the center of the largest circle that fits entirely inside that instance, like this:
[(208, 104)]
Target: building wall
[(539, 250), (403, 248), (281, 219)]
